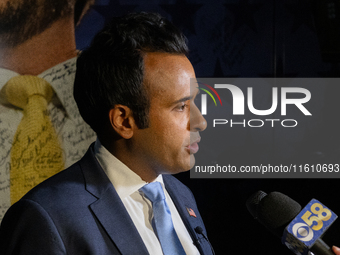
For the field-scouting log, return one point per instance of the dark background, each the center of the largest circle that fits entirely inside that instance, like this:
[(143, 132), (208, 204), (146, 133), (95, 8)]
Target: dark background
[(259, 38)]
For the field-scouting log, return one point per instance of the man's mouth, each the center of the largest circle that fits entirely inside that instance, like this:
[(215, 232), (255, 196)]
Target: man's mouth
[(193, 147)]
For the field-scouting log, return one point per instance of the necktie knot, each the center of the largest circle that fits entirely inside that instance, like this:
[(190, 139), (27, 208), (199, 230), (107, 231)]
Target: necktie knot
[(20, 88), (153, 191)]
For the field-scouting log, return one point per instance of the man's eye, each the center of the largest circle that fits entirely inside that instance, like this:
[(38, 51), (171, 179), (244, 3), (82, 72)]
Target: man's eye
[(182, 107)]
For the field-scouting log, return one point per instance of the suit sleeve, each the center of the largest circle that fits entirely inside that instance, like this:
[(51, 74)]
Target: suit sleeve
[(28, 229)]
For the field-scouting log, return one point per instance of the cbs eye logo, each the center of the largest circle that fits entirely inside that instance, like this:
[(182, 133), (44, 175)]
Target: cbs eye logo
[(304, 231)]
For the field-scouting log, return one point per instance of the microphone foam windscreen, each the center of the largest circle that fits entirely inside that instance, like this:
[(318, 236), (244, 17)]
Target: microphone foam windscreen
[(253, 202), (275, 211)]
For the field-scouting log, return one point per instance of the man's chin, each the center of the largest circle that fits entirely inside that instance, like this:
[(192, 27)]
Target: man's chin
[(192, 161)]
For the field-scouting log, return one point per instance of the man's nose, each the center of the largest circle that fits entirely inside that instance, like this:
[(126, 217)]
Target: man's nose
[(197, 121)]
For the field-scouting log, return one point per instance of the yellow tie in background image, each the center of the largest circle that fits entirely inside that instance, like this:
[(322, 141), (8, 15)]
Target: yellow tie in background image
[(36, 153)]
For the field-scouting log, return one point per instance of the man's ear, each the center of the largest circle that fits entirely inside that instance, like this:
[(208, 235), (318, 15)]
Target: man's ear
[(122, 121)]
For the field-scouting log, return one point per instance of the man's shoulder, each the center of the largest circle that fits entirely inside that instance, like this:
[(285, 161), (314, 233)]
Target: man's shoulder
[(64, 184), (61, 183)]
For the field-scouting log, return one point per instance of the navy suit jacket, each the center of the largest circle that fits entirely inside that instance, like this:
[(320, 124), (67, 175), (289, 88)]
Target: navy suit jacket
[(78, 211)]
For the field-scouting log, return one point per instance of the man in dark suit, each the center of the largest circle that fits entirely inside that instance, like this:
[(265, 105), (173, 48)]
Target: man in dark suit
[(133, 88)]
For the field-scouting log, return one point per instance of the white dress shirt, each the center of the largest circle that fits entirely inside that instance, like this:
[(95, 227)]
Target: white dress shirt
[(74, 134), (127, 183)]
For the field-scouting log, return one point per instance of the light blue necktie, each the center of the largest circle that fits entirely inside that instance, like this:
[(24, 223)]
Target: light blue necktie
[(162, 222)]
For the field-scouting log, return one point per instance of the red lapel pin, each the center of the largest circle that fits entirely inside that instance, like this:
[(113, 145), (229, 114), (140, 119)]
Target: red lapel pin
[(191, 212)]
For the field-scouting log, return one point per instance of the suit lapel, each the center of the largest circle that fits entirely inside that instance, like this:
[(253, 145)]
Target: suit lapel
[(183, 203), (109, 209)]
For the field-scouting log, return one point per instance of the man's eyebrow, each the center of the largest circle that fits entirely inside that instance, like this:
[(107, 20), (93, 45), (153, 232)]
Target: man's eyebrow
[(183, 99)]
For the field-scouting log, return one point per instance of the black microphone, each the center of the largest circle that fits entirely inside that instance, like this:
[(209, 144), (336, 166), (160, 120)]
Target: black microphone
[(301, 230), (199, 230)]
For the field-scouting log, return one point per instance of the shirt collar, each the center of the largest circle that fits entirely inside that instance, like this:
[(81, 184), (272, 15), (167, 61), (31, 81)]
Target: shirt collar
[(123, 178), (61, 77)]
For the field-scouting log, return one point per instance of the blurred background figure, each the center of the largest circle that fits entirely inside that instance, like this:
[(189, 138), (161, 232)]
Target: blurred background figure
[(38, 115)]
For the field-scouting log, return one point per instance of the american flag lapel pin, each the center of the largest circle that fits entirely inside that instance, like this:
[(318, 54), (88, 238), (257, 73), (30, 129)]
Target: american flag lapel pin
[(191, 212)]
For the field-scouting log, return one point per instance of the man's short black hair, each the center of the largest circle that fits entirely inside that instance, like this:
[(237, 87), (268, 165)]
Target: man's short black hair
[(111, 70)]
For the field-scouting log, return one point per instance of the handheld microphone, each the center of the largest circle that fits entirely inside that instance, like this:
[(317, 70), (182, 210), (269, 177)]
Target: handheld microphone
[(300, 230)]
